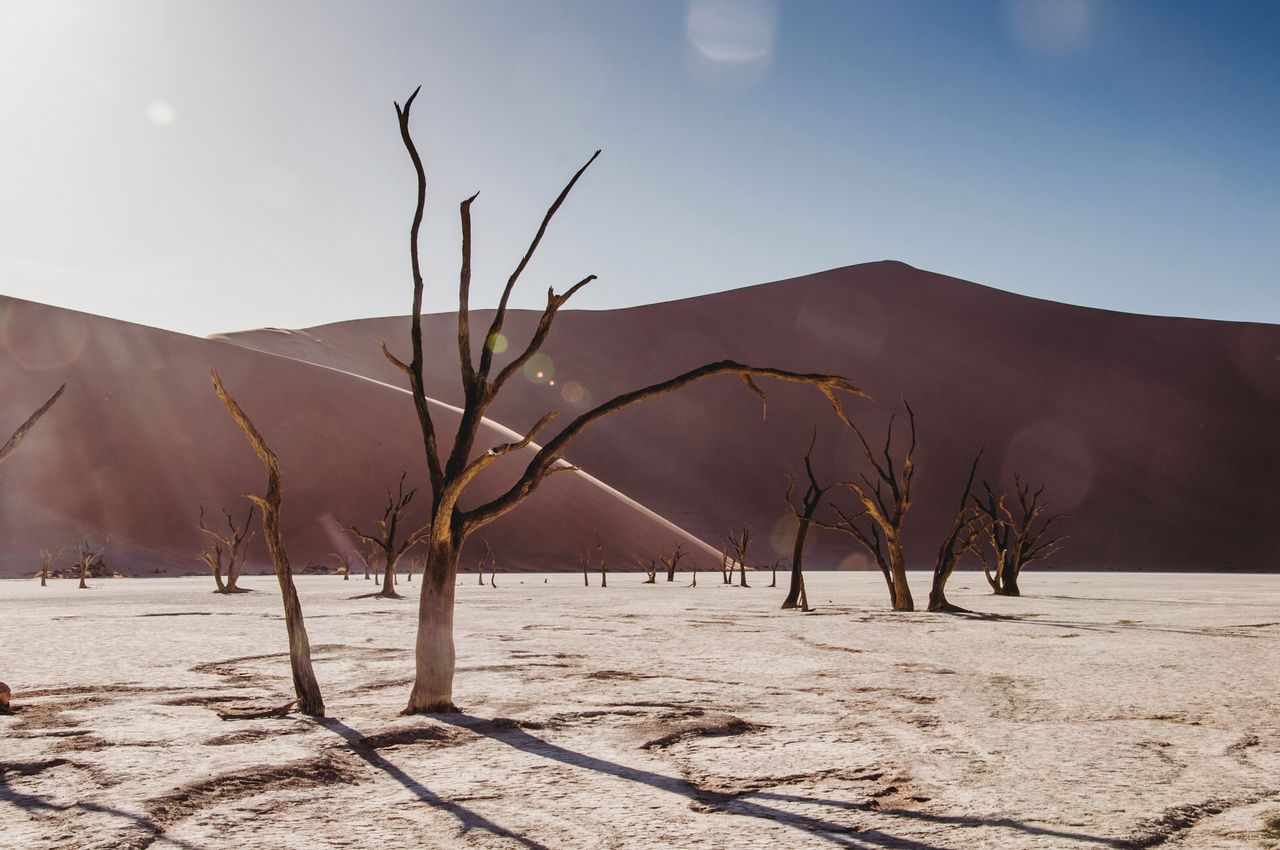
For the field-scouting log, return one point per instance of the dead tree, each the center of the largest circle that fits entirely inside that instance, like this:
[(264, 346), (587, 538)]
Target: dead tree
[(961, 539), (586, 563), (773, 579), (1010, 541), (235, 542), (493, 565), (345, 561), (650, 568), (305, 685), (87, 558), (416, 562), (385, 543), (672, 560), (796, 596), (604, 576), (884, 502), (726, 562), (739, 541), (450, 524), (47, 557)]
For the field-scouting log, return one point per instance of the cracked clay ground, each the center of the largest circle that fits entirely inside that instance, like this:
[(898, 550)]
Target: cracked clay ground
[(1121, 711)]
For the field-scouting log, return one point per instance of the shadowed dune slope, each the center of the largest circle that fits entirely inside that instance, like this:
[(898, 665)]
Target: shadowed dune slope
[(139, 441), (1156, 435)]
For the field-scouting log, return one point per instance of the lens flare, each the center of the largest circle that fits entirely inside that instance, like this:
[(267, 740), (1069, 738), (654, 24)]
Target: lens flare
[(783, 535), (497, 343), (539, 369), (575, 393), (161, 113)]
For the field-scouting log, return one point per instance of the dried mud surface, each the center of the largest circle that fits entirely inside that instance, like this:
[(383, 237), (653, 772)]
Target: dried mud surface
[(1100, 710)]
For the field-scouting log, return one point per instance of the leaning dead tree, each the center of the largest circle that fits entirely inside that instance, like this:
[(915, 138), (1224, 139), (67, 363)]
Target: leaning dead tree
[(650, 568), (305, 685), (450, 476), (5, 451), (961, 539), (1012, 538), (234, 542), (87, 558), (25, 427), (739, 541), (809, 502), (884, 503), (385, 543)]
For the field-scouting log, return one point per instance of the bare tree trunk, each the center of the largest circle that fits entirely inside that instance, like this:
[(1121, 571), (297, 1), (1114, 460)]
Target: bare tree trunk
[(434, 656), (902, 600), (774, 575), (1008, 580), (796, 597), (389, 579), (304, 678), (604, 578)]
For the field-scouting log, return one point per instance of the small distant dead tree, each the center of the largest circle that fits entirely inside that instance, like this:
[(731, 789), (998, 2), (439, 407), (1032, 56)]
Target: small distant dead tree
[(87, 558), (796, 595), (726, 562), (650, 568), (1011, 540), (961, 539), (586, 565), (417, 562), (385, 543), (346, 560), (450, 524), (672, 560), (604, 576), (885, 502), (47, 557), (739, 541), (305, 685), (235, 542), (492, 561)]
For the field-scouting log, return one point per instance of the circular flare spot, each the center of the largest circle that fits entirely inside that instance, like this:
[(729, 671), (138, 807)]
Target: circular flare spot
[(497, 343), (575, 393), (161, 113), (539, 369)]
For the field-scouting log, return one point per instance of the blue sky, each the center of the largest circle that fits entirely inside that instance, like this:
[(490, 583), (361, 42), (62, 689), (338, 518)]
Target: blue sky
[(206, 166)]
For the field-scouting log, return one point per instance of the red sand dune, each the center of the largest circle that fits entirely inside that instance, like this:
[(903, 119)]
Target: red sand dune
[(1157, 435), (139, 441)]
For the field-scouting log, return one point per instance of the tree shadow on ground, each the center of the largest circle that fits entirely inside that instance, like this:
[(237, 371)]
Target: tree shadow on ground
[(841, 835), (149, 829), (468, 819)]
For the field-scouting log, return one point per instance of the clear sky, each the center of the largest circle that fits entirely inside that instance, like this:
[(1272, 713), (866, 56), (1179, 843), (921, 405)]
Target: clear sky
[(207, 165)]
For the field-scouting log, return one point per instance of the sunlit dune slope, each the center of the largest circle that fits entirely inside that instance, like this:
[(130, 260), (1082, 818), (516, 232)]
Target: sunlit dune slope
[(139, 442), (1156, 435)]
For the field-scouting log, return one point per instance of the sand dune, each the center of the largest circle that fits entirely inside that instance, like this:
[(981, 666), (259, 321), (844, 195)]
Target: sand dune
[(1154, 434), (139, 442)]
